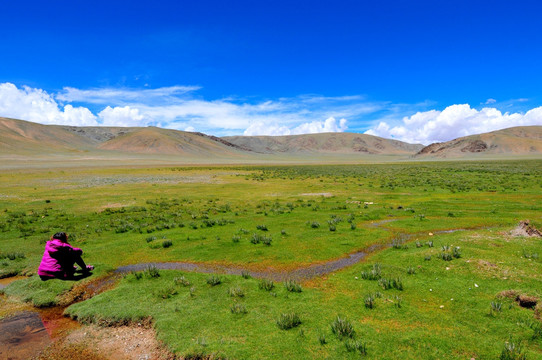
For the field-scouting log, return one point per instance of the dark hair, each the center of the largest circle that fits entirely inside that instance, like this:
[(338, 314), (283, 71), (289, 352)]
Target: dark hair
[(61, 236)]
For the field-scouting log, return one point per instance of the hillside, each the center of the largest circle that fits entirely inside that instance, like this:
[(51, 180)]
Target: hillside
[(24, 140), (337, 143), (23, 137), (523, 140)]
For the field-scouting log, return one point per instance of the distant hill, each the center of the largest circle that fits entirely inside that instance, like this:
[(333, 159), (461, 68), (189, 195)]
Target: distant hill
[(337, 143), (20, 137), (522, 140), (24, 140)]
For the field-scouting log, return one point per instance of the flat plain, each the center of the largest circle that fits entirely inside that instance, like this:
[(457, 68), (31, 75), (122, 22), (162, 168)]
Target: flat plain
[(438, 273)]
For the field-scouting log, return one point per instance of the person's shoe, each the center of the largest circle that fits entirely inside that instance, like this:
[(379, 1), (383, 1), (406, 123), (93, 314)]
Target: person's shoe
[(89, 268)]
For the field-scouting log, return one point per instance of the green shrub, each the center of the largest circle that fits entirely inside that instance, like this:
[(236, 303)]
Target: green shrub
[(262, 227), (387, 284), (292, 286), (374, 274), (245, 274), (166, 292), (456, 252), (342, 328), (288, 321), (322, 338), (238, 309), (512, 351), (236, 292), (266, 240), (166, 244), (353, 345), (152, 272), (266, 284), (214, 280), (369, 301), (181, 280)]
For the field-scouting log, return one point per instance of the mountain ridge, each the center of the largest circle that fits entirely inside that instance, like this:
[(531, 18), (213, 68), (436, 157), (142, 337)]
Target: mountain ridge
[(26, 139)]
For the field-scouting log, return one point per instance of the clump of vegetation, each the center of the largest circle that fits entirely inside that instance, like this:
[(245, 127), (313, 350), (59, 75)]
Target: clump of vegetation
[(266, 284), (236, 292), (354, 345), (512, 351), (12, 256), (411, 270), (322, 338), (397, 301), (236, 238), (262, 227), (369, 301), (166, 244), (166, 292), (238, 308), (399, 243), (152, 272), (394, 283), (342, 328), (214, 280), (181, 280), (530, 255), (292, 286), (288, 321), (374, 274), (257, 238)]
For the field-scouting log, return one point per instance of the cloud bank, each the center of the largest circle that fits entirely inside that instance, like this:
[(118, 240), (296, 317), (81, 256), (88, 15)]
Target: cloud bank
[(454, 121), (176, 107)]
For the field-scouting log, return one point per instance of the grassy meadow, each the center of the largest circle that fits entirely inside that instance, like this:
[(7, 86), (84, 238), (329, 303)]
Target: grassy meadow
[(445, 286)]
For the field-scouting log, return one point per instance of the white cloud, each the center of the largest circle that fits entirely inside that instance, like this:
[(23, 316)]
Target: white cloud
[(121, 116), (490, 101), (38, 106), (121, 96), (455, 121), (175, 108), (329, 125)]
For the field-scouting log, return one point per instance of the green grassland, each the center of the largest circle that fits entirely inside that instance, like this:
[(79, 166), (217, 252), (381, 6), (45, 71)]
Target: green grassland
[(433, 295)]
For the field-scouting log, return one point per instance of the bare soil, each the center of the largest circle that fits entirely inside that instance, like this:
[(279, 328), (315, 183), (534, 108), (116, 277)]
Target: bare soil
[(525, 229)]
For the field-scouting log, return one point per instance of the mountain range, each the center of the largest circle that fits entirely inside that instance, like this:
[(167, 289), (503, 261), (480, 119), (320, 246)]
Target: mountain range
[(21, 139)]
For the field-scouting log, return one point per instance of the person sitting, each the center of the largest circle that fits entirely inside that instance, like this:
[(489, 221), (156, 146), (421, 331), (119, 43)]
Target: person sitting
[(59, 257)]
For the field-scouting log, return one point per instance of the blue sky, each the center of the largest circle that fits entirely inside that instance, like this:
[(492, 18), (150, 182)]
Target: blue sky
[(419, 71)]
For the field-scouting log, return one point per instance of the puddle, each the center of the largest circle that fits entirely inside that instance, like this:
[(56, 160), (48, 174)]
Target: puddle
[(22, 336), (6, 281), (25, 334)]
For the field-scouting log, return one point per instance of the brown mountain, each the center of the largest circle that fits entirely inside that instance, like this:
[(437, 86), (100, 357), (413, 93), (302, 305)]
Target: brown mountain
[(18, 137), (521, 140), (23, 137), (332, 143)]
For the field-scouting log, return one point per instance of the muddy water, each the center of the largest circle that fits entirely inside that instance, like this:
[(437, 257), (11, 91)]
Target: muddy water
[(25, 334), (304, 273)]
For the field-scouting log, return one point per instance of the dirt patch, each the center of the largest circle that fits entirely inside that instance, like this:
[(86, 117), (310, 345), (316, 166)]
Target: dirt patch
[(525, 229), (122, 343), (526, 301), (523, 300)]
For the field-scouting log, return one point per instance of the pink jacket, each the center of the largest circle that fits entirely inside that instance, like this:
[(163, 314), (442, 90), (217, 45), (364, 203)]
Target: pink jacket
[(58, 259)]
